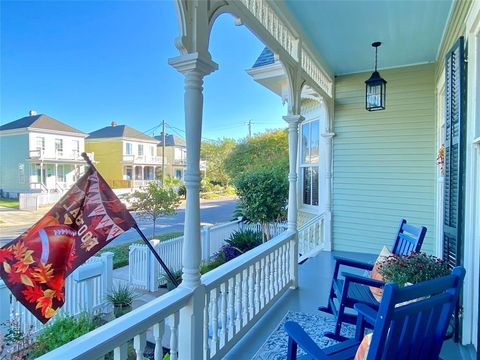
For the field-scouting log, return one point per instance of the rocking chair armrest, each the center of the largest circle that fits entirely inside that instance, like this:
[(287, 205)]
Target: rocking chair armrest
[(300, 337), (368, 314), (353, 263), (362, 280)]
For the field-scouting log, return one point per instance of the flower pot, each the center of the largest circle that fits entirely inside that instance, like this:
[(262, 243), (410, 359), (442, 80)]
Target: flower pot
[(121, 309)]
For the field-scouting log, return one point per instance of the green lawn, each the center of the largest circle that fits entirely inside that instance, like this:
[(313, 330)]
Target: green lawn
[(11, 203), (120, 257)]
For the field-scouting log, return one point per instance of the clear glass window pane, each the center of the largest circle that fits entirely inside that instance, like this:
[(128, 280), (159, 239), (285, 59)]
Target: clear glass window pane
[(314, 185), (128, 149), (306, 143), (314, 142), (307, 191)]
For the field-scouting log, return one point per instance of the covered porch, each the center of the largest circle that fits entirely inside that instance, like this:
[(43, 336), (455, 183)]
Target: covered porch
[(230, 311)]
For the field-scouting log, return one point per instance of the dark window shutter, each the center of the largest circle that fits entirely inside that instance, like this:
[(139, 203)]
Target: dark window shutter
[(455, 106)]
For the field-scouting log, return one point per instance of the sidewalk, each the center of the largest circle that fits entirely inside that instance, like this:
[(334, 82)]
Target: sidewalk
[(13, 217)]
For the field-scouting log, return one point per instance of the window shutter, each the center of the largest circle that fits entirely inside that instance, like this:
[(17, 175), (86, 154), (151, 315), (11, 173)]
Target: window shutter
[(455, 106)]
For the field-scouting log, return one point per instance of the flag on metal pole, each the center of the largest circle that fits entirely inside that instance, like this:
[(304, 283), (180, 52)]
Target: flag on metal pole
[(34, 265)]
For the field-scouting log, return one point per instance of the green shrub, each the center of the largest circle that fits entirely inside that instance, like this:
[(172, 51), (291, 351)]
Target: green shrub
[(263, 197), (245, 240), (214, 263), (62, 331)]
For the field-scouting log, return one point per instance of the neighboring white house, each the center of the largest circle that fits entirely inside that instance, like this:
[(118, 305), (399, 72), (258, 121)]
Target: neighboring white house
[(39, 155)]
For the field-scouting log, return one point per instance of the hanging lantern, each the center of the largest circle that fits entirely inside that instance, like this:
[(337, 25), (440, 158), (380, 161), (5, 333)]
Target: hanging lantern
[(375, 87)]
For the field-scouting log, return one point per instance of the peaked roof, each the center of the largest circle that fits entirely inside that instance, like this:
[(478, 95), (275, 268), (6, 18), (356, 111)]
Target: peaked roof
[(119, 131), (171, 140), (265, 58), (40, 121)]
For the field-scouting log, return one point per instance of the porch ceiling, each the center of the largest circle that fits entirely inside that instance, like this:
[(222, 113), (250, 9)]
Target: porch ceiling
[(342, 31)]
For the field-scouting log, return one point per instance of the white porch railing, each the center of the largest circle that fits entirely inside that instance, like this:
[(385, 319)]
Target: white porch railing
[(236, 295), (82, 294), (146, 273), (239, 292), (311, 237), (115, 335)]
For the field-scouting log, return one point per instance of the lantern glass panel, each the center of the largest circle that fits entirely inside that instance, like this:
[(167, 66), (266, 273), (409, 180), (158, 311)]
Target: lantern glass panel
[(374, 96)]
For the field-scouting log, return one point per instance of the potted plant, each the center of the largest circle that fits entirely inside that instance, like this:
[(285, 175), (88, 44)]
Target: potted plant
[(176, 274), (121, 298), (413, 268)]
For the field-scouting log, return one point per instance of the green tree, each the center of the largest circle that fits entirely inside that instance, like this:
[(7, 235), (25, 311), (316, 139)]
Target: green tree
[(155, 201), (216, 154), (264, 151), (263, 196)]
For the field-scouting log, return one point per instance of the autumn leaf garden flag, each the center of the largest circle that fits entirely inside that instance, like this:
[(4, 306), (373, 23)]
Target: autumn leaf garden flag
[(34, 266)]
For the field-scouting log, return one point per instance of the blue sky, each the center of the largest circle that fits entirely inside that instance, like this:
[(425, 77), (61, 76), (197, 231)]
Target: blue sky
[(89, 63)]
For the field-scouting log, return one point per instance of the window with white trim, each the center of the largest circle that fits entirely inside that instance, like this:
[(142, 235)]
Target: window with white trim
[(40, 143), (128, 148), (310, 162), (140, 150), (59, 147)]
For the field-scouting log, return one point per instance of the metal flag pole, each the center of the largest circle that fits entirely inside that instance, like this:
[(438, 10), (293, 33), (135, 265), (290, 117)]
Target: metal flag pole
[(144, 238)]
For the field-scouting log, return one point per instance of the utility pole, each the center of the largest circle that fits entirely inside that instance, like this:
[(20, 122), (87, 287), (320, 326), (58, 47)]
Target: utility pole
[(249, 124), (163, 152)]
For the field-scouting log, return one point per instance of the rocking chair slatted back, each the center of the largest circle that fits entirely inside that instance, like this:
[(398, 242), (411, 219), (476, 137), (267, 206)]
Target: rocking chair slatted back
[(417, 328), (410, 324), (409, 238)]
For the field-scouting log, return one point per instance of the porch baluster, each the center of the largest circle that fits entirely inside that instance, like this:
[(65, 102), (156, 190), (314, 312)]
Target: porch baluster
[(257, 287), (139, 343), (158, 330), (223, 314), (231, 312), (174, 336)]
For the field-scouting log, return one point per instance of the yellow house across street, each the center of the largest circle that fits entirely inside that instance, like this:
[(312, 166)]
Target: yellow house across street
[(126, 157)]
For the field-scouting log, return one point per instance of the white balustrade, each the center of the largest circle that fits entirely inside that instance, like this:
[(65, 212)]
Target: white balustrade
[(311, 238), (240, 291)]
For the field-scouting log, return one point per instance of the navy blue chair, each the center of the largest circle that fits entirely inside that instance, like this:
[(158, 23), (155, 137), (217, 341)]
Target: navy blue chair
[(410, 324), (351, 289)]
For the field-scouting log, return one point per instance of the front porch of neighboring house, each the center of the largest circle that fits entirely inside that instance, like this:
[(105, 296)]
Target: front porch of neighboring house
[(374, 169), (54, 177), (140, 175)]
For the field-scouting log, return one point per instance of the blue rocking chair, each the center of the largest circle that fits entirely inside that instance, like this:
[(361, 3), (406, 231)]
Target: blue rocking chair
[(413, 330), (353, 289)]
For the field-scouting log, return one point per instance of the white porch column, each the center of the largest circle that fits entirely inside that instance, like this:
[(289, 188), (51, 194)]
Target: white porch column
[(293, 122), (191, 327), (194, 69), (327, 181)]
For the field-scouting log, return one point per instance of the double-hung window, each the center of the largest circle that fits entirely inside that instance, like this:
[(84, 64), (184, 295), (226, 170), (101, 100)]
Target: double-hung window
[(310, 162), (128, 148), (59, 147), (140, 150)]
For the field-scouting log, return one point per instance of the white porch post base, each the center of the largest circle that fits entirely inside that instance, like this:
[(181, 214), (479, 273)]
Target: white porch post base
[(293, 122), (194, 69)]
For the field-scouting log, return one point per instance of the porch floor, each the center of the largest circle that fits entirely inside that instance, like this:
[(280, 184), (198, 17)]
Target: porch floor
[(314, 284)]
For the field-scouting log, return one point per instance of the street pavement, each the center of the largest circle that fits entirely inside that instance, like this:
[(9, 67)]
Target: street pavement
[(14, 222)]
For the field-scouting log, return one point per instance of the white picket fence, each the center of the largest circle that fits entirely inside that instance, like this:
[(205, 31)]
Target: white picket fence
[(145, 272), (85, 291)]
